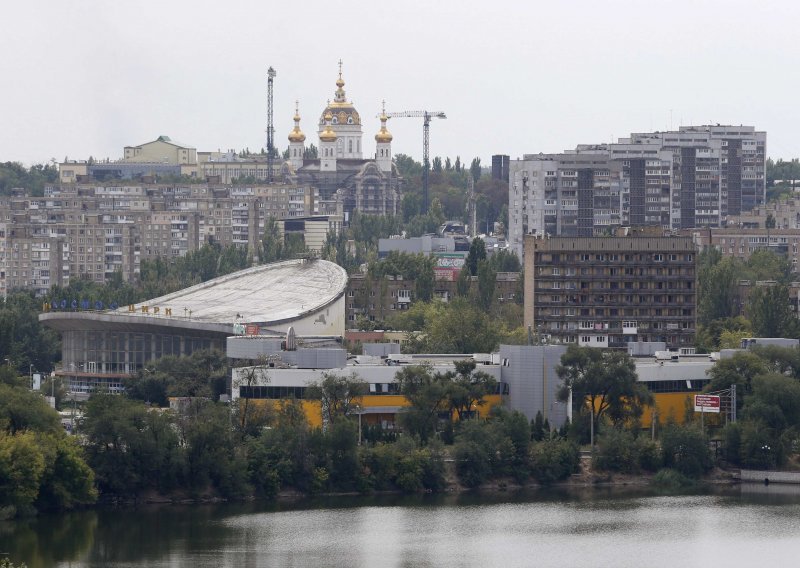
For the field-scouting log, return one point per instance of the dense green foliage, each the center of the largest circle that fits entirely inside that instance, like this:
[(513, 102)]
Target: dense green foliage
[(14, 175), (204, 374), (23, 341), (767, 312), (767, 382), (40, 467), (459, 326), (604, 380)]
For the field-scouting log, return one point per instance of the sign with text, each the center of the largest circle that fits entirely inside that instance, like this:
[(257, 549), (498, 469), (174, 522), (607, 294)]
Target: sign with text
[(706, 403)]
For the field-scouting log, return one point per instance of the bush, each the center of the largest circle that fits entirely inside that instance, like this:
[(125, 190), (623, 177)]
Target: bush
[(758, 449), (402, 466), (672, 479), (617, 450), (554, 460), (685, 449), (732, 443), (473, 464), (649, 455)]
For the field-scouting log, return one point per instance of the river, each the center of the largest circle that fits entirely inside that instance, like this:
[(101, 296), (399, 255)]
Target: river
[(748, 526)]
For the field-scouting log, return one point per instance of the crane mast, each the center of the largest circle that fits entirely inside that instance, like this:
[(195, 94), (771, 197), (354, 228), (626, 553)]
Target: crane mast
[(270, 128), (426, 139)]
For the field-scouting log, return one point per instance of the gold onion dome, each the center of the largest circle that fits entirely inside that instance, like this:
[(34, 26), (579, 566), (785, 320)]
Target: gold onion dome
[(328, 135), (297, 135), (383, 134)]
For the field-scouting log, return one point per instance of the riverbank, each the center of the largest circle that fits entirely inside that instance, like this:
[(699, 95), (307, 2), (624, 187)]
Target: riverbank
[(583, 480)]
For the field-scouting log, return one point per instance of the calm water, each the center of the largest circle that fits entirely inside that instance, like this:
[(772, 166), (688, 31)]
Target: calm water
[(754, 526)]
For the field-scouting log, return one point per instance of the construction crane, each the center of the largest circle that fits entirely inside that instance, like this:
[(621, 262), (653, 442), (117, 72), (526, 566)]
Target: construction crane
[(426, 117), (270, 128)]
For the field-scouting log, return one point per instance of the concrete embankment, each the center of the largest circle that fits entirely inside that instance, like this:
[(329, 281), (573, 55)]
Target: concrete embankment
[(763, 476)]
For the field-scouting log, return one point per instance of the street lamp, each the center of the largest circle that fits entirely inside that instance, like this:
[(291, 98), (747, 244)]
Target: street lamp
[(357, 409)]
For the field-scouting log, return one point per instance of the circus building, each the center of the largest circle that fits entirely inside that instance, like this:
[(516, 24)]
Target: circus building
[(101, 348), (346, 180)]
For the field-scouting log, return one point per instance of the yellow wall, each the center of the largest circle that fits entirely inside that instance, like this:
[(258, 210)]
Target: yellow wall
[(672, 406), (313, 409)]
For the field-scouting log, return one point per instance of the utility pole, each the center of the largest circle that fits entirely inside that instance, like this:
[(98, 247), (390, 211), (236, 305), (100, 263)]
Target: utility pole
[(270, 128)]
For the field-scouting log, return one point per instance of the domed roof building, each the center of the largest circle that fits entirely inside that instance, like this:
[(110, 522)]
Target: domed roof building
[(346, 180)]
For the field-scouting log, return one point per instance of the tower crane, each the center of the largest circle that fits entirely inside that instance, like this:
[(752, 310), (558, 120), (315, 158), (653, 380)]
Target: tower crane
[(426, 117), (270, 129)]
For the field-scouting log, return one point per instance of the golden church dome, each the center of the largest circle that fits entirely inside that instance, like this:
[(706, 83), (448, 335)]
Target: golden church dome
[(297, 135), (328, 135), (342, 111), (383, 135)]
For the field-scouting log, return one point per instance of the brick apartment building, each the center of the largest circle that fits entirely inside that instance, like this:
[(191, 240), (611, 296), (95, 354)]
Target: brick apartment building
[(610, 291)]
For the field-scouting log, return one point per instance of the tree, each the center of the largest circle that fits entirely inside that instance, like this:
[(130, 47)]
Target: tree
[(251, 417), (21, 468), (463, 282), (770, 312), (427, 394), (487, 282), (339, 395), (477, 253), (22, 410), (606, 380), (475, 169), (461, 327), (770, 223), (716, 286), (468, 388), (685, 449), (739, 370), (775, 402), (783, 360), (271, 242), (768, 265)]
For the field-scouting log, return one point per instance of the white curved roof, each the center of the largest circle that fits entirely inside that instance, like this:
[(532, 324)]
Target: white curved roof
[(264, 294)]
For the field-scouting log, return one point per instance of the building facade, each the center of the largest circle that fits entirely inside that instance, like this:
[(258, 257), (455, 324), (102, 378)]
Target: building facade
[(95, 231), (698, 176), (611, 291)]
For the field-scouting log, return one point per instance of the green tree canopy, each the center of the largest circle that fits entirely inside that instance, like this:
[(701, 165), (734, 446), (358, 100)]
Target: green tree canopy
[(606, 380), (339, 395)]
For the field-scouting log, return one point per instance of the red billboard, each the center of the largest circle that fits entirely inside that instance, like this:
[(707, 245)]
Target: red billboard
[(706, 403)]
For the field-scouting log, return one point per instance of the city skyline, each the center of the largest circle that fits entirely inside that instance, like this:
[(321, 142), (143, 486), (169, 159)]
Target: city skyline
[(512, 79)]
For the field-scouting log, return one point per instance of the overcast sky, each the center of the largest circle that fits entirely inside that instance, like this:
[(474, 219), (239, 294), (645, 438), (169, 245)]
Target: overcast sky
[(89, 77)]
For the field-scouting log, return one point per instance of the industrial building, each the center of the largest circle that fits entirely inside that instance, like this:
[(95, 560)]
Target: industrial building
[(526, 376), (100, 348)]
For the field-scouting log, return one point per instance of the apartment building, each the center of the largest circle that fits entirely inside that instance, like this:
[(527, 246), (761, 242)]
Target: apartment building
[(611, 291), (93, 231), (695, 177)]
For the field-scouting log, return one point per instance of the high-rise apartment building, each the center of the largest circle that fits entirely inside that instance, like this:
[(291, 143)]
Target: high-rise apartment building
[(695, 177), (611, 291)]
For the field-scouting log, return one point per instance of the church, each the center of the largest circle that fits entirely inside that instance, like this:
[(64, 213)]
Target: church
[(346, 181)]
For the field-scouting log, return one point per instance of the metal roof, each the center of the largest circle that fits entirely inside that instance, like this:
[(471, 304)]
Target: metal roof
[(270, 293), (266, 295)]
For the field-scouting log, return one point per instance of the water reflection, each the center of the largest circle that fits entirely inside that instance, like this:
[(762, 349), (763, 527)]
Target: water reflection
[(601, 527)]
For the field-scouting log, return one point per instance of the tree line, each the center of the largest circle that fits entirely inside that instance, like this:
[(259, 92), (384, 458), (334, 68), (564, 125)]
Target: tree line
[(726, 314)]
